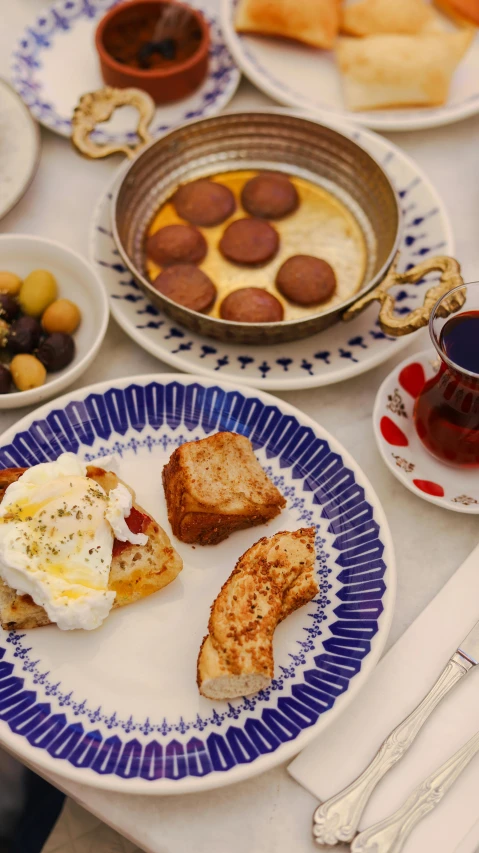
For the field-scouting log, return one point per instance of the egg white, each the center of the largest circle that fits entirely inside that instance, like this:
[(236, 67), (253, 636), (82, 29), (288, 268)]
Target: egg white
[(57, 529)]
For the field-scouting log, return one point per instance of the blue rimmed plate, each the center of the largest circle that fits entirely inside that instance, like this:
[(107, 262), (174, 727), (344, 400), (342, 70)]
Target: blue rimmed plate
[(118, 708), (338, 353), (54, 62)]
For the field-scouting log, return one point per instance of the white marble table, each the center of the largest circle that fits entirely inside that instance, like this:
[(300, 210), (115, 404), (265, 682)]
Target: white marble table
[(271, 812)]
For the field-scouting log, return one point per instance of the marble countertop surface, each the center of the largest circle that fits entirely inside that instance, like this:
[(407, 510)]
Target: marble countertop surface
[(270, 812)]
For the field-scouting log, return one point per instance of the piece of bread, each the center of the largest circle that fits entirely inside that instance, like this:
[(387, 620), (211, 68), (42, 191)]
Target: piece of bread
[(136, 570), (371, 17), (216, 486), (312, 22), (463, 12), (271, 580), (398, 70)]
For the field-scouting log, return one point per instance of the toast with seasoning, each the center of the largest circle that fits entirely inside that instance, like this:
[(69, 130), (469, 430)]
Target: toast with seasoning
[(216, 486), (270, 581), (136, 570)]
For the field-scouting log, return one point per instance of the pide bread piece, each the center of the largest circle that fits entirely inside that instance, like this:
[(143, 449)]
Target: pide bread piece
[(371, 17), (312, 22), (271, 580), (463, 12), (136, 570), (216, 486), (399, 70)]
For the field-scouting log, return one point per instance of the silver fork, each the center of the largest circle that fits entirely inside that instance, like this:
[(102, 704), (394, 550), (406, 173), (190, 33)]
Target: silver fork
[(390, 834), (337, 819)]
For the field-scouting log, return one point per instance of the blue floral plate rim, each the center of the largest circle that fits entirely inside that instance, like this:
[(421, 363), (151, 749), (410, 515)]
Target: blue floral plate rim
[(59, 17), (286, 748)]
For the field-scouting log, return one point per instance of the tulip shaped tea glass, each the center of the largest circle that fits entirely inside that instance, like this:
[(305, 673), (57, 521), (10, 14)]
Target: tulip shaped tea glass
[(446, 412)]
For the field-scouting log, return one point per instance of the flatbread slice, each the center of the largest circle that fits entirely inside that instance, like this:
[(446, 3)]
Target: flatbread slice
[(312, 22), (399, 70)]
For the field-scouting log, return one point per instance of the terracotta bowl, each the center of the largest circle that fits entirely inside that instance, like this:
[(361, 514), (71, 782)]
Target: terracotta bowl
[(169, 83)]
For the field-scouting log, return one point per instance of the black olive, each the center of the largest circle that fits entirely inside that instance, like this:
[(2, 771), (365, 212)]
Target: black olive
[(8, 307), (56, 351), (24, 335), (5, 379)]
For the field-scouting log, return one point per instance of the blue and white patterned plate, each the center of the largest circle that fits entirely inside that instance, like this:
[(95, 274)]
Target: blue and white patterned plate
[(54, 62), (118, 707), (341, 352), (309, 79)]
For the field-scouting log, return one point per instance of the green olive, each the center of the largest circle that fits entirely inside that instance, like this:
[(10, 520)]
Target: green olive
[(37, 292), (61, 316), (10, 283), (27, 372)]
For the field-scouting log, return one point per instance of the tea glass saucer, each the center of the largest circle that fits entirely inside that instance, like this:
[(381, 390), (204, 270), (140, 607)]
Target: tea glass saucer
[(403, 451)]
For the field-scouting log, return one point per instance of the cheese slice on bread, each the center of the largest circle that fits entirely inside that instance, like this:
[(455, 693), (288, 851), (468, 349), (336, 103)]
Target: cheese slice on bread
[(136, 570), (271, 580)]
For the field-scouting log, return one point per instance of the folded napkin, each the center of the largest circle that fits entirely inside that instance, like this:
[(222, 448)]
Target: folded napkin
[(399, 682)]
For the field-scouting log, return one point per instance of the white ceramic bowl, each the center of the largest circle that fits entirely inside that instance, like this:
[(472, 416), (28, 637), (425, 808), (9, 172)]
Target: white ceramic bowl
[(78, 281)]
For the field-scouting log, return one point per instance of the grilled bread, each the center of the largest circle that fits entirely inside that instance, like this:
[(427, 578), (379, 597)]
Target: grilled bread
[(270, 581), (312, 22), (136, 570), (216, 486)]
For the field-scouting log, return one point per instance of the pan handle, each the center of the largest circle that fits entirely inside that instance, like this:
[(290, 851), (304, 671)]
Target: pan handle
[(97, 107), (395, 325)]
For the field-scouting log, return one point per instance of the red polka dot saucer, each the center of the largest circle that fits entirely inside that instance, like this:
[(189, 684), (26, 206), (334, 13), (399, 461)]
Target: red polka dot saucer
[(401, 448)]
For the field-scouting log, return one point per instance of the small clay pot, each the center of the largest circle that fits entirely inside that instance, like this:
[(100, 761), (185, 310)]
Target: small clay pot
[(121, 52)]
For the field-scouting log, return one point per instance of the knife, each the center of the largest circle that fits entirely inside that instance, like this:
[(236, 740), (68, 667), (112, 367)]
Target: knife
[(390, 834), (337, 819)]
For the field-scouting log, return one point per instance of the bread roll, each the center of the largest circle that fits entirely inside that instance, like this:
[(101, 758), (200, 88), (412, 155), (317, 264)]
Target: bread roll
[(399, 70), (313, 22)]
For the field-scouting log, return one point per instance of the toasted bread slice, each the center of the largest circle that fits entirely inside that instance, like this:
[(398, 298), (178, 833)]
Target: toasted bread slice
[(312, 22), (136, 570), (216, 486), (270, 581)]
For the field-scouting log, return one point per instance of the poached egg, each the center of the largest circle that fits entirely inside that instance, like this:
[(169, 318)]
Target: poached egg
[(57, 529)]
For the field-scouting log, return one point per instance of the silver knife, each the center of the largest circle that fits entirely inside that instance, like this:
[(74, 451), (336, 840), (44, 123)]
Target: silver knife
[(337, 819), (390, 834)]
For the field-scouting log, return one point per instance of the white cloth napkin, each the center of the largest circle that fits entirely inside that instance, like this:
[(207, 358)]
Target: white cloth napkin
[(399, 682)]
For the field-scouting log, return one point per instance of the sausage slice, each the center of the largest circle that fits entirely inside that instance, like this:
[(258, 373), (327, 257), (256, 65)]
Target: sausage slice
[(269, 195), (305, 280), (251, 305), (249, 241), (176, 244), (186, 285), (204, 202)]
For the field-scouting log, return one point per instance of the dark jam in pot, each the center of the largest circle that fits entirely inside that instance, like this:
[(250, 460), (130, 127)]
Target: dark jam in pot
[(447, 410), (152, 39), (136, 522)]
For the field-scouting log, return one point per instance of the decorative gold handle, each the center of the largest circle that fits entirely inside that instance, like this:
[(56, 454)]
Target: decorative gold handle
[(97, 107), (393, 325)]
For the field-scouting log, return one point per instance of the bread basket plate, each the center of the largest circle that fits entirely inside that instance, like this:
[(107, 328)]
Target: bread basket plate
[(309, 79), (118, 708), (333, 355), (54, 62), (20, 148)]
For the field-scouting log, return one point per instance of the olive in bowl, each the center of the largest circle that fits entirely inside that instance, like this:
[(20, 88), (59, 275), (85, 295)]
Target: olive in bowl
[(76, 283), (56, 351)]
